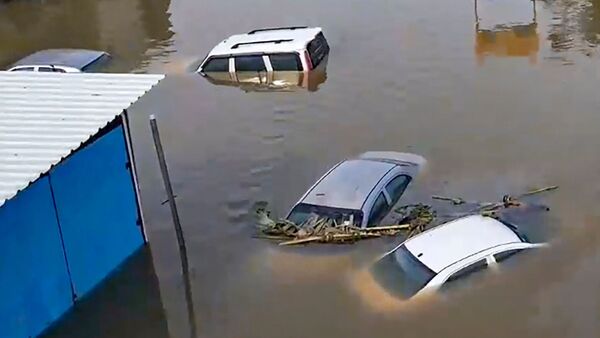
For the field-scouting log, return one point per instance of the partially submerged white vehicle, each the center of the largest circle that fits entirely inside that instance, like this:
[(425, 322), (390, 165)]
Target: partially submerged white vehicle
[(267, 50), (449, 253), (360, 191)]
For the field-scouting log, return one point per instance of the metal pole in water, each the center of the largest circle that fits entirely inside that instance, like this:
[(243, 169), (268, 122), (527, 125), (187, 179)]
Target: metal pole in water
[(176, 222)]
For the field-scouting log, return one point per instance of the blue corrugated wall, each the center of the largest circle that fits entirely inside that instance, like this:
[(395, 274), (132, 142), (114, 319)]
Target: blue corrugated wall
[(34, 283), (66, 233), (102, 231)]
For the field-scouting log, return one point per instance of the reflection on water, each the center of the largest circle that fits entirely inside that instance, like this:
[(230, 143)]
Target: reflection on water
[(277, 81), (127, 305), (515, 41), (506, 29), (575, 26), (133, 31)]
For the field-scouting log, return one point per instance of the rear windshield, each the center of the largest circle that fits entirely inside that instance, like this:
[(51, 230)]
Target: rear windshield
[(216, 65), (97, 64), (285, 62), (302, 212), (401, 273), (318, 49)]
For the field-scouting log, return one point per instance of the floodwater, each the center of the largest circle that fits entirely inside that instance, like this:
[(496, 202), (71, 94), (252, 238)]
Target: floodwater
[(493, 112)]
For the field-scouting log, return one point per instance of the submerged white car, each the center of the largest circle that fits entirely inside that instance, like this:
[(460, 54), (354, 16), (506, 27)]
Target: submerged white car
[(360, 191), (449, 253)]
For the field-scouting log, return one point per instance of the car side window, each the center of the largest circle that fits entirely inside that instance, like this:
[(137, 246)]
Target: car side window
[(50, 70), (512, 258), (250, 63), (287, 61), (23, 69), (396, 187), (499, 257), (466, 274), (379, 210), (217, 65)]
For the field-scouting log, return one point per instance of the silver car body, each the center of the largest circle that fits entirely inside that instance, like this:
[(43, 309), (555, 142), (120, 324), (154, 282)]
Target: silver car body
[(59, 60), (355, 184)]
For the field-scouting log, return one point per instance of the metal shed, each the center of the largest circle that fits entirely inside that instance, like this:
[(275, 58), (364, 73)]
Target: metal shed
[(69, 204)]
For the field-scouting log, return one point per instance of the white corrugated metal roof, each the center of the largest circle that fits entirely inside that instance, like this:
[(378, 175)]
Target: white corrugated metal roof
[(45, 116)]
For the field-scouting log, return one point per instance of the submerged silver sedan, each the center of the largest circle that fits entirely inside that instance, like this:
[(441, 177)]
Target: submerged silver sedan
[(360, 191)]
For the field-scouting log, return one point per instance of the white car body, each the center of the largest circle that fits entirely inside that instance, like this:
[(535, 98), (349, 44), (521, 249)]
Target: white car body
[(450, 248), (268, 42), (355, 185), (44, 68)]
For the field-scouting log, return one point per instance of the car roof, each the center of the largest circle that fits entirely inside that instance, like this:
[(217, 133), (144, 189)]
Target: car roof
[(395, 157), (451, 242), (348, 184), (76, 58), (267, 40)]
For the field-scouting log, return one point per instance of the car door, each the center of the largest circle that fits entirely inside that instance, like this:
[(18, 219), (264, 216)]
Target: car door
[(250, 69), (219, 70), (510, 259), (287, 69), (467, 275), (379, 210)]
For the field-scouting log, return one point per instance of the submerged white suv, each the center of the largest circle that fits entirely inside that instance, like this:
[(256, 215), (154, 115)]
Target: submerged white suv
[(297, 48)]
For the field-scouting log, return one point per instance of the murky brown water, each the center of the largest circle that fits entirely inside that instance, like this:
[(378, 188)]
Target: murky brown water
[(493, 114)]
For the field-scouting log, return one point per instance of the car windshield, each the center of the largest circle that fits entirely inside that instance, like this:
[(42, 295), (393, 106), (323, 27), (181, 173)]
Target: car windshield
[(401, 273), (302, 213)]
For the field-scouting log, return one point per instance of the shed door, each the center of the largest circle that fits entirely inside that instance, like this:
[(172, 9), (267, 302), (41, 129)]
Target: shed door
[(97, 209), (34, 281)]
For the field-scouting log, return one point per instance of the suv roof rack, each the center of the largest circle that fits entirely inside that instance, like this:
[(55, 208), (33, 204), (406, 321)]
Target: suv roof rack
[(276, 29), (259, 42)]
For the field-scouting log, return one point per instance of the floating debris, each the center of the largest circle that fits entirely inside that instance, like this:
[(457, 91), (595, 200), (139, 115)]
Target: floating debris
[(418, 216), (491, 209), (412, 220), (538, 191), (455, 201)]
